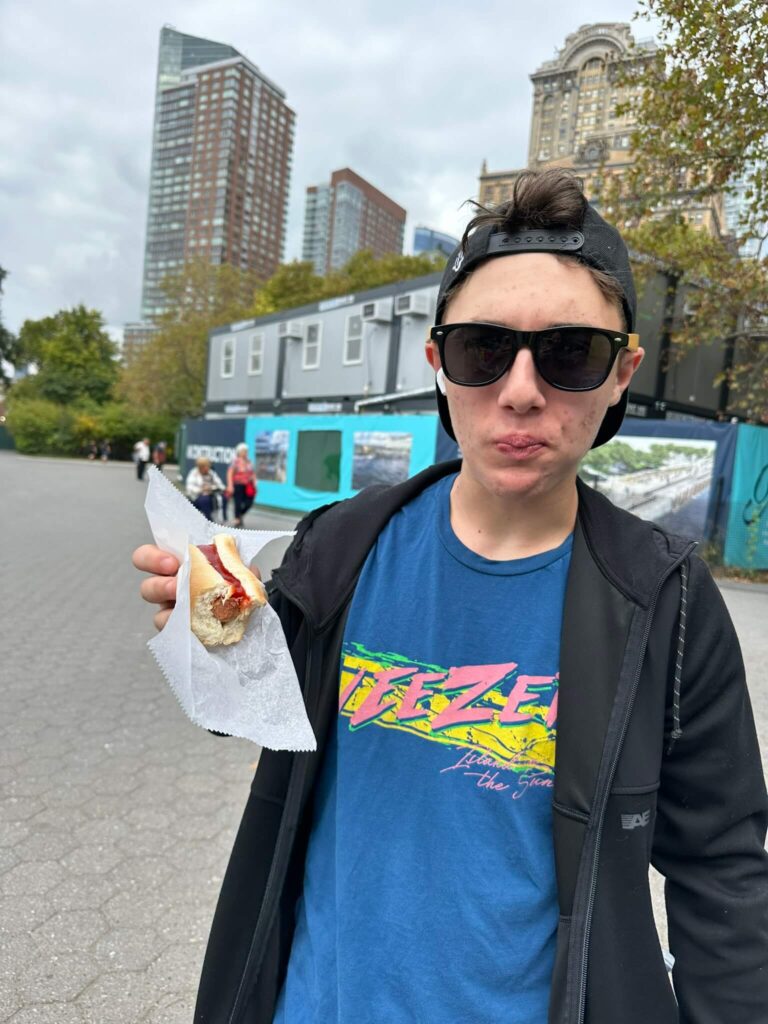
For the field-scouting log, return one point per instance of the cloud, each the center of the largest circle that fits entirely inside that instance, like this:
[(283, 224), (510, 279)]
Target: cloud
[(411, 96)]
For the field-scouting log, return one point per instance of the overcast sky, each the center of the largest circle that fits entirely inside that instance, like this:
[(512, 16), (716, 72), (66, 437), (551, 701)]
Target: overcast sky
[(412, 96)]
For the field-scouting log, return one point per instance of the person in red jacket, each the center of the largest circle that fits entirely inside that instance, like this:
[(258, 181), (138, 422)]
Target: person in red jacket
[(241, 483)]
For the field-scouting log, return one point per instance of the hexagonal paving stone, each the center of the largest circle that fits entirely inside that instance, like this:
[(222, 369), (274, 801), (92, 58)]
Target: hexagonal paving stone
[(92, 859), (106, 830), (102, 806), (172, 1009), (32, 878), (12, 755), (117, 997), (15, 953), (141, 873), (70, 931), (13, 832), (184, 922), (196, 783), (18, 914), (61, 976), (150, 817), (46, 844), (58, 817), (80, 892), (176, 969), (128, 949), (9, 1003), (128, 909), (66, 796), (8, 857), (147, 842), (17, 809)]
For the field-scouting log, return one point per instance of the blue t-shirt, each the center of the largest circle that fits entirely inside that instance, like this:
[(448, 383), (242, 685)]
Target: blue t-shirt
[(429, 892)]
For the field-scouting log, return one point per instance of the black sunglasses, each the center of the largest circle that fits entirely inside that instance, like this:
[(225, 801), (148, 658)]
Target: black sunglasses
[(570, 358)]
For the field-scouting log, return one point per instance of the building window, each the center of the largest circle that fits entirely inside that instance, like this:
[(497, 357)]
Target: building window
[(311, 348), (353, 340), (256, 354), (228, 357)]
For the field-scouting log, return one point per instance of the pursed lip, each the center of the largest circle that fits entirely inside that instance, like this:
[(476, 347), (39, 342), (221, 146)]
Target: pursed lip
[(520, 441)]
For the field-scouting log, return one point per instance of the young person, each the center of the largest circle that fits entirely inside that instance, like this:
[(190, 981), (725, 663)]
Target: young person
[(241, 482), (522, 696)]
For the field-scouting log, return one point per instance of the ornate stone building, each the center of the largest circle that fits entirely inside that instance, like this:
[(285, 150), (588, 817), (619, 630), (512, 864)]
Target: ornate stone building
[(574, 122)]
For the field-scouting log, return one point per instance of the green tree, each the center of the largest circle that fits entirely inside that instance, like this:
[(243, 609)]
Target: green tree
[(702, 113), (701, 124), (292, 284), (364, 270), (8, 342), (75, 357), (166, 375)]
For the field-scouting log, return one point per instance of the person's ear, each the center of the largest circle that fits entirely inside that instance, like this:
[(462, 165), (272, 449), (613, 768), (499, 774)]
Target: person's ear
[(432, 354), (628, 362)]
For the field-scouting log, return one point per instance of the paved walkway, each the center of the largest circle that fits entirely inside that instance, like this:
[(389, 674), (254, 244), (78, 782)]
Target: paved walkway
[(116, 814)]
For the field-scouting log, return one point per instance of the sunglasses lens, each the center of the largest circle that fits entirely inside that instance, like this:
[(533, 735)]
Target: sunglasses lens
[(477, 354), (574, 358)]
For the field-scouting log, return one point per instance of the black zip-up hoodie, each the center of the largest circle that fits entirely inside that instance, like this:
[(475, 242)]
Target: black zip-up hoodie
[(656, 761)]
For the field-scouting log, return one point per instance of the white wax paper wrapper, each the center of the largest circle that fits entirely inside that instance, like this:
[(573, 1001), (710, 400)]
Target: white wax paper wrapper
[(248, 689)]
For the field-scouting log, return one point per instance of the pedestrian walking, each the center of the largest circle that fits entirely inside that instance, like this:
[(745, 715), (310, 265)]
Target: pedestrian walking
[(92, 450), (160, 455), (241, 482), (105, 450), (203, 487), (522, 696), (141, 455)]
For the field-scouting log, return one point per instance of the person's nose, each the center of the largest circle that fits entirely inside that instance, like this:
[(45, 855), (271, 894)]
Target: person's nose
[(521, 386)]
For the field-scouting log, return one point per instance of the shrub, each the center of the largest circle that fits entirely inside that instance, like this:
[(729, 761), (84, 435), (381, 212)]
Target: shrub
[(41, 427)]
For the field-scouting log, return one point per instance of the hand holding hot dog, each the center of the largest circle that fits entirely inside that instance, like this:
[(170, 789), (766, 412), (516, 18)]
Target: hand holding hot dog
[(160, 587)]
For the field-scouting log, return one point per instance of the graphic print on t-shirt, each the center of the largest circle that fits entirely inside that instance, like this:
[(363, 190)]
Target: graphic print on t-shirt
[(430, 889), (500, 719)]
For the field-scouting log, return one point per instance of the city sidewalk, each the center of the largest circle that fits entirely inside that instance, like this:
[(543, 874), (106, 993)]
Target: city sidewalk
[(117, 815)]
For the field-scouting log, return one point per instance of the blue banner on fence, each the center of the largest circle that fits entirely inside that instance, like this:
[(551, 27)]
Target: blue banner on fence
[(746, 544)]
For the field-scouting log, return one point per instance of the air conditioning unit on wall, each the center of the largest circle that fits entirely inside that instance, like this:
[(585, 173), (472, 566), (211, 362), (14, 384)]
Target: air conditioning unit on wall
[(412, 304), (291, 330), (378, 312)]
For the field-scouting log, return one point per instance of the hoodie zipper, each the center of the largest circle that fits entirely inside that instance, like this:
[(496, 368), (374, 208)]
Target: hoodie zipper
[(293, 793), (609, 779)]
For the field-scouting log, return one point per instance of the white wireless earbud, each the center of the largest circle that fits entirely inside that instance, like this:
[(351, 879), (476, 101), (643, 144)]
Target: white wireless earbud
[(440, 381)]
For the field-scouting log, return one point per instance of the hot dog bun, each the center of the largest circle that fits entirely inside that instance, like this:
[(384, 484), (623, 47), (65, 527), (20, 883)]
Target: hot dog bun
[(220, 606)]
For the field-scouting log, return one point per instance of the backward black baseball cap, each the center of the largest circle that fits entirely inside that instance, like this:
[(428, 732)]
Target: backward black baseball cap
[(595, 243)]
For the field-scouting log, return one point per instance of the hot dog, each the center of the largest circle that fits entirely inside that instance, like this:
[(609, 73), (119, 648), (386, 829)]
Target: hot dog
[(222, 591)]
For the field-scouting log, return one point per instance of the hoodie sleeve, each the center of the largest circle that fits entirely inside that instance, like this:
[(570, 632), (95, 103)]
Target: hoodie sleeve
[(710, 831)]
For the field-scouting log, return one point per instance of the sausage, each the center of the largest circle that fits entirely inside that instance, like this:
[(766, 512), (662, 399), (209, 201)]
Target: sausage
[(225, 609)]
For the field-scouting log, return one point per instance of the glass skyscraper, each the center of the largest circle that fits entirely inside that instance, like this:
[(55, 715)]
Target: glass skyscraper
[(221, 156), (347, 216)]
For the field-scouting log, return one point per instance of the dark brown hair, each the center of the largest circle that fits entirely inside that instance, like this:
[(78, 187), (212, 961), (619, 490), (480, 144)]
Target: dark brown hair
[(542, 199)]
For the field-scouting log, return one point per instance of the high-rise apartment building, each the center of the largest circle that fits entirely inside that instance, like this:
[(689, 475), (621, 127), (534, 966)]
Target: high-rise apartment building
[(575, 123), (431, 242), (347, 216), (221, 159), (736, 205)]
